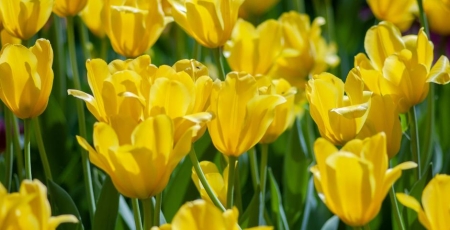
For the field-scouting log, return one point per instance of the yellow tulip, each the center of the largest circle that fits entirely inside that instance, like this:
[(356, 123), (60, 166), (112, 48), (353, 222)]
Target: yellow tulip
[(142, 167), (26, 78), (353, 181), (68, 8), (7, 38), (92, 17), (133, 26), (199, 214), (242, 115), (254, 50), (400, 12), (24, 18), (305, 51), (401, 66), (438, 14), (108, 83), (435, 201), (209, 22), (284, 113), (29, 208), (256, 7), (383, 117), (339, 117), (217, 181)]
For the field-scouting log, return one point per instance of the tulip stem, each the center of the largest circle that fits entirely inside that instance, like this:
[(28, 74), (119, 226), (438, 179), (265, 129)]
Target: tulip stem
[(203, 180), (414, 140), (423, 18), (16, 144), (394, 204), (157, 209), (218, 58), (231, 174), (196, 51), (8, 148), (299, 6), (81, 119), (263, 175), (136, 213), (41, 147), (148, 207), (254, 168), (26, 147)]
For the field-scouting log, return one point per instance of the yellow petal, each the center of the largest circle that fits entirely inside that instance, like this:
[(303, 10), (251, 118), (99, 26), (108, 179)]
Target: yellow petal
[(413, 204), (440, 73), (436, 201)]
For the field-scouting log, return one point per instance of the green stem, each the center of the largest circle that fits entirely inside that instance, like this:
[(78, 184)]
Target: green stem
[(197, 51), (136, 213), (104, 48), (41, 147), (59, 84), (157, 209), (299, 5), (81, 119), (253, 168), (148, 207), (231, 174), (219, 63), (396, 209), (84, 35), (423, 18), (203, 180), (9, 150), (26, 147), (415, 150), (16, 145), (366, 227), (263, 171)]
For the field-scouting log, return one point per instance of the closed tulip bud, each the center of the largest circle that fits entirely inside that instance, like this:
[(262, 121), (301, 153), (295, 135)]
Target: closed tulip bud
[(142, 167), (284, 113), (209, 22), (353, 181), (401, 66), (24, 18), (434, 215), (67, 8), (92, 17), (216, 180), (29, 208), (254, 50), (199, 214), (26, 78), (242, 115), (133, 26), (400, 12), (438, 14), (339, 117)]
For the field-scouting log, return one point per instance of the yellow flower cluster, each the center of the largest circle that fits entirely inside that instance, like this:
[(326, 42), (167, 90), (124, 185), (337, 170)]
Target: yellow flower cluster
[(29, 208)]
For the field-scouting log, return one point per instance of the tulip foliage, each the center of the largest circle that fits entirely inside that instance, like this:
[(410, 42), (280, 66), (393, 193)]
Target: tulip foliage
[(224, 114)]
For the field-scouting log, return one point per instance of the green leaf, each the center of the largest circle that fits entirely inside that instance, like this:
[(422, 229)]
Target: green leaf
[(250, 218), (126, 213), (277, 205), (62, 203), (404, 122), (331, 224), (107, 206)]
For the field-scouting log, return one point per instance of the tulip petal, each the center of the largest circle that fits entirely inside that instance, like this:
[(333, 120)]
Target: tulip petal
[(440, 73), (413, 204), (91, 104), (436, 201)]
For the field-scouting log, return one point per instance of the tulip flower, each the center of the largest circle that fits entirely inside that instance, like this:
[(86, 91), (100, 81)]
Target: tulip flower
[(255, 7), (339, 117), (254, 50), (438, 14), (142, 167), (199, 214), (65, 8), (353, 181), (242, 115), (92, 17), (284, 113), (217, 181), (26, 78), (404, 65), (24, 18), (305, 52), (29, 208), (400, 12), (133, 26), (209, 22), (434, 215)]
